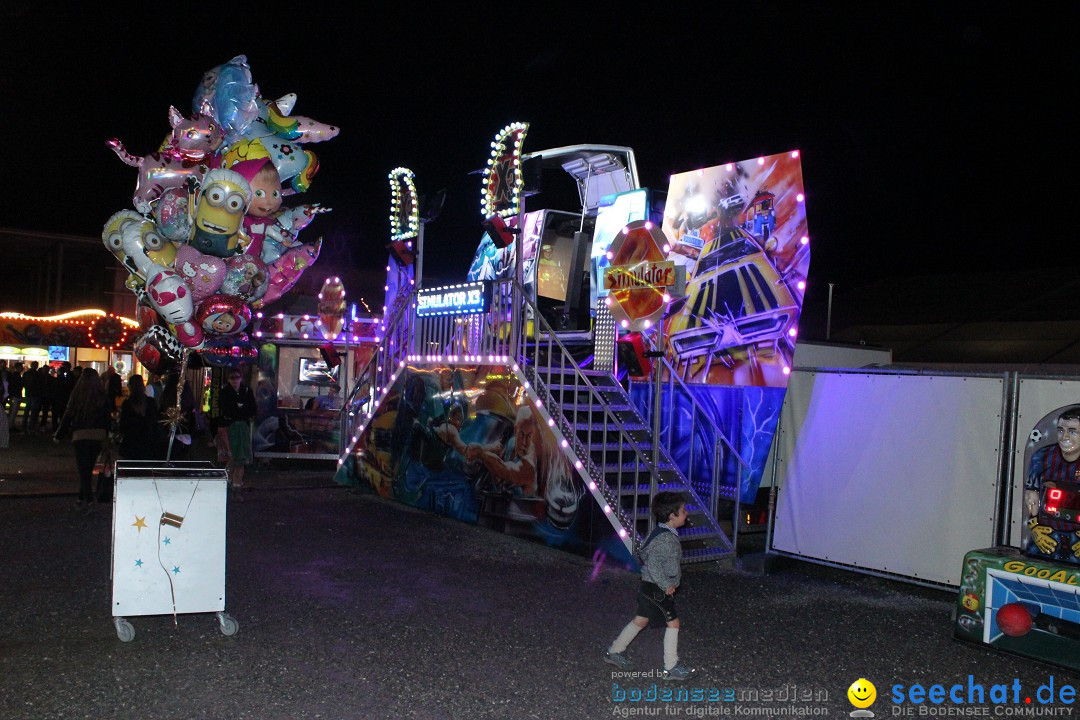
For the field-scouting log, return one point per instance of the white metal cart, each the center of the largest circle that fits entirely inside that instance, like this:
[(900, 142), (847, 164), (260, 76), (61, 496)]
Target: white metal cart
[(168, 542)]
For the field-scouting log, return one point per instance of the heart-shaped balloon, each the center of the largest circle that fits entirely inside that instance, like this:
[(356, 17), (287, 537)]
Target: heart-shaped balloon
[(203, 273)]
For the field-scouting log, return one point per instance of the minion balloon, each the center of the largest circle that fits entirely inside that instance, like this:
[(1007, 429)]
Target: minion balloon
[(223, 200), (147, 240), (112, 235)]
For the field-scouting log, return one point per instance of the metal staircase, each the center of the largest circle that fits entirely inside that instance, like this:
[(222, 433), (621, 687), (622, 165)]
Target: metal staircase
[(596, 425), (619, 445)]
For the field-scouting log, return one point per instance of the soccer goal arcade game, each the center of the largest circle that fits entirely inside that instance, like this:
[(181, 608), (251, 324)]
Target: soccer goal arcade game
[(1026, 600), (737, 231)]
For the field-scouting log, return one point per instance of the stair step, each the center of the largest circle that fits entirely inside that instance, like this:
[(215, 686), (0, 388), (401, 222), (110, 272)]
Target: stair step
[(569, 408), (631, 426), (598, 378), (688, 534), (611, 447), (643, 488), (638, 467), (706, 554), (605, 389)]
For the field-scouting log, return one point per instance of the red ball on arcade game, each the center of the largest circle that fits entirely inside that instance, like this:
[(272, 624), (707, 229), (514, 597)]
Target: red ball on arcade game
[(1014, 619)]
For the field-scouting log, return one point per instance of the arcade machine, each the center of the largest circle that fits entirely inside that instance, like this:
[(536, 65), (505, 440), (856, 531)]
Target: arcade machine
[(1028, 602)]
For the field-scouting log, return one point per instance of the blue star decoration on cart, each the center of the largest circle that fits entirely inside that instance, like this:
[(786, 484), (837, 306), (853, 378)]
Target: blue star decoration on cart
[(167, 541), (138, 563), (176, 569)]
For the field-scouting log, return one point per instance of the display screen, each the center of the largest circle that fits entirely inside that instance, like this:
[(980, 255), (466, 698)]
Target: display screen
[(613, 215), (315, 372), (1059, 499), (58, 353), (555, 257)]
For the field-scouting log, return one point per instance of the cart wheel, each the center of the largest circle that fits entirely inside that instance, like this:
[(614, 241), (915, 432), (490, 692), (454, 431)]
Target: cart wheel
[(229, 626), (124, 630)]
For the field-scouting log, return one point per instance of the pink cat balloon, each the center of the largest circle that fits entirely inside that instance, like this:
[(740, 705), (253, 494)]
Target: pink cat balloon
[(191, 143), (169, 295)]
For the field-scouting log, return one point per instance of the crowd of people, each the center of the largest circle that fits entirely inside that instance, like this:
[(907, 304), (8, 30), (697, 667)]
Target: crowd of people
[(39, 392), (103, 420)]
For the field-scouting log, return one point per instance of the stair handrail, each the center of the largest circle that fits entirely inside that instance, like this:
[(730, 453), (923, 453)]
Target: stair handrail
[(643, 460), (697, 412), (377, 371)]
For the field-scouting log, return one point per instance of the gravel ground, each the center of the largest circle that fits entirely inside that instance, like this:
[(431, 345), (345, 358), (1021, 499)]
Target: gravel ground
[(353, 607)]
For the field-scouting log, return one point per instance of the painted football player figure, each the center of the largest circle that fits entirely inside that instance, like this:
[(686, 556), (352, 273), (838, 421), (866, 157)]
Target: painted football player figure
[(1051, 465)]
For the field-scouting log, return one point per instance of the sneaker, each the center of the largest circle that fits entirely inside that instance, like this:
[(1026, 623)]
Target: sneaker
[(617, 659), (679, 672)]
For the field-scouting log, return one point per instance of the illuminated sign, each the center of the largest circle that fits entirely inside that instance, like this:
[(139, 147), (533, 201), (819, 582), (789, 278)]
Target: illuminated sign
[(453, 299), (58, 353), (404, 209), (503, 181), (639, 275)]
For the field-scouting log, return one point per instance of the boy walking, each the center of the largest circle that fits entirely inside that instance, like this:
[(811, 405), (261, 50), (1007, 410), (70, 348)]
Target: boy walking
[(661, 572)]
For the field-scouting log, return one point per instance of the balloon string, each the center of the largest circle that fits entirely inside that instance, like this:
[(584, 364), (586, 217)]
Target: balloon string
[(175, 420)]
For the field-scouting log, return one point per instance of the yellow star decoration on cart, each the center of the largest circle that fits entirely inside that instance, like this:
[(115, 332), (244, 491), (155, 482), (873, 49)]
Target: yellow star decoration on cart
[(140, 522)]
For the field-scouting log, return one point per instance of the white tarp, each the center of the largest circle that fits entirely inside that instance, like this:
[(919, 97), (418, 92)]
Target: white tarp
[(892, 473)]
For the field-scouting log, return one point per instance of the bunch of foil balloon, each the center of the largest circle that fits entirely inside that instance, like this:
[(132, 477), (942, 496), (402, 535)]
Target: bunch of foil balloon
[(210, 239)]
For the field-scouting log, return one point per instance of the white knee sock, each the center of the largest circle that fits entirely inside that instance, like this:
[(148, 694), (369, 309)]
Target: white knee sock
[(625, 637), (671, 648)]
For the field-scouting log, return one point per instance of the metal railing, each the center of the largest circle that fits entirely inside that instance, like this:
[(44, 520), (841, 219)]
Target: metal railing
[(392, 349), (675, 394), (547, 360), (613, 453)]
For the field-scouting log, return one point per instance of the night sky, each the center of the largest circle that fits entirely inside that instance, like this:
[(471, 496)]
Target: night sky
[(935, 137)]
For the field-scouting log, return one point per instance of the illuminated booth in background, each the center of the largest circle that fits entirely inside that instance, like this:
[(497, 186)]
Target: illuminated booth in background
[(300, 384), (90, 338)]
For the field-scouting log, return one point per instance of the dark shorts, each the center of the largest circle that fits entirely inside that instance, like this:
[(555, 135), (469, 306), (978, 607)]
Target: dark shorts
[(654, 604)]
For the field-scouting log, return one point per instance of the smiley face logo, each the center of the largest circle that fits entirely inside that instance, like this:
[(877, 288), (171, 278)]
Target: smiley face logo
[(862, 693)]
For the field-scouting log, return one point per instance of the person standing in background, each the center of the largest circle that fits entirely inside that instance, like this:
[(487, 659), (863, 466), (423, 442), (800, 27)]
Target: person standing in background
[(15, 394), (33, 382), (48, 390), (4, 435), (88, 417), (139, 428), (234, 428), (64, 382), (114, 387)]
